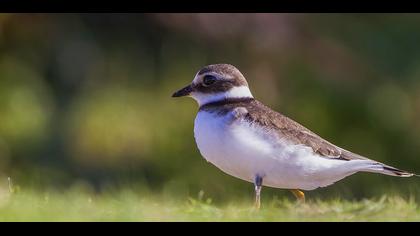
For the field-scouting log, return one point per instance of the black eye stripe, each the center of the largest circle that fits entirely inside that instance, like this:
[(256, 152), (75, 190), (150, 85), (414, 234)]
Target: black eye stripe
[(209, 79)]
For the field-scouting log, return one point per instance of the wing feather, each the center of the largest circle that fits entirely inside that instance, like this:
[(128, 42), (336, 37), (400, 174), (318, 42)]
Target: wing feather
[(256, 112), (296, 132)]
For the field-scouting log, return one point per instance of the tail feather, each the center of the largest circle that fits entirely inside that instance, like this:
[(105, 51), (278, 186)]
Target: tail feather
[(396, 172), (381, 168)]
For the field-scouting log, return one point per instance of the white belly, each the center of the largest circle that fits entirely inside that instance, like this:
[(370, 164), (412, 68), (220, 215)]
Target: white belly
[(244, 151)]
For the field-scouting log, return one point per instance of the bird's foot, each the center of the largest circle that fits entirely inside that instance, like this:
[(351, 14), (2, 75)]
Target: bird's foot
[(299, 195)]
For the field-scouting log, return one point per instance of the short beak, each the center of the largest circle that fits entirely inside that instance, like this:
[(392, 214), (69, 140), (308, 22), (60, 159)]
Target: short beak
[(183, 92)]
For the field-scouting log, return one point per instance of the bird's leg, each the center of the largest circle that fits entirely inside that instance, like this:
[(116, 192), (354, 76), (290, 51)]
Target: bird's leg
[(299, 195), (258, 186)]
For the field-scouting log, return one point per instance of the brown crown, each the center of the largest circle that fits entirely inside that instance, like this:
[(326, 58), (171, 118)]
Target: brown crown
[(229, 76)]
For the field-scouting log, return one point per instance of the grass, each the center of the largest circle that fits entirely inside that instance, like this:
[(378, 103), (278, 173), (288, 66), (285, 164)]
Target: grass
[(126, 205)]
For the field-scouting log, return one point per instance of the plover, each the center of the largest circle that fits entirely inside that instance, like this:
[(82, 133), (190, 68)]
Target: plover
[(248, 140)]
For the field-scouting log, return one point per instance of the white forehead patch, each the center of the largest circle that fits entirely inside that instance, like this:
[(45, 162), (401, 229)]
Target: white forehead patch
[(235, 92), (195, 80)]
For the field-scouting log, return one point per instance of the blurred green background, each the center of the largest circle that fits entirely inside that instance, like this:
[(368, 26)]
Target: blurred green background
[(85, 99)]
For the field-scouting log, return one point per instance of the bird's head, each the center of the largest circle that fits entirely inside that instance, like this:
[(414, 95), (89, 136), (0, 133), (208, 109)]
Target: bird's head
[(215, 83)]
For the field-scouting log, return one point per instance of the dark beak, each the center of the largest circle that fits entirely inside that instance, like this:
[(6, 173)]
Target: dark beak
[(183, 92)]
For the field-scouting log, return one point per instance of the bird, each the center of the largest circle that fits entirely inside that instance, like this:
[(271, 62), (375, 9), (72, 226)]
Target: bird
[(248, 140)]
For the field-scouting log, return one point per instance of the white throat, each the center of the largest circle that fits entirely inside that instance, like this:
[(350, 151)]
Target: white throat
[(235, 92)]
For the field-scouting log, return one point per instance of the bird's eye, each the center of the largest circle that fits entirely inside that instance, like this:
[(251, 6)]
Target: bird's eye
[(208, 80)]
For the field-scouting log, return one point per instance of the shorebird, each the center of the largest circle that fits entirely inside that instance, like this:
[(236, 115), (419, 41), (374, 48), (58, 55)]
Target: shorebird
[(248, 140)]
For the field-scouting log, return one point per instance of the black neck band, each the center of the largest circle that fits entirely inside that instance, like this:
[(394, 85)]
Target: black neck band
[(226, 101)]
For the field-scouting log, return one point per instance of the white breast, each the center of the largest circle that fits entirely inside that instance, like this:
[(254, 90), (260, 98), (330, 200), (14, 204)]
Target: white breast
[(244, 150), (235, 148)]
